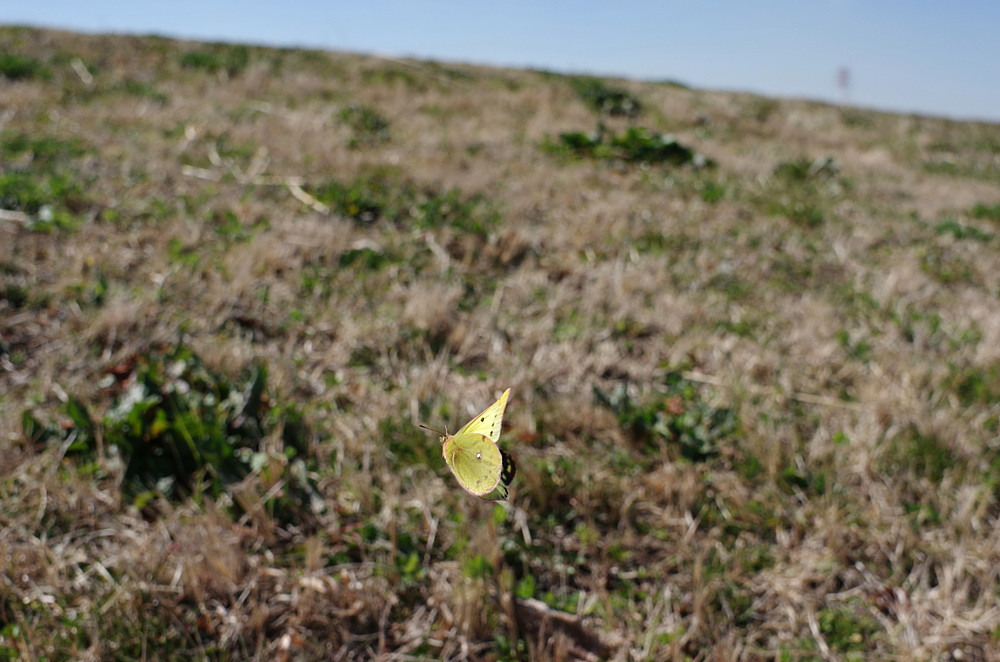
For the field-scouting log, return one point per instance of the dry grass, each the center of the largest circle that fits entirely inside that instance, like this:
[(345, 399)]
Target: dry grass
[(841, 322)]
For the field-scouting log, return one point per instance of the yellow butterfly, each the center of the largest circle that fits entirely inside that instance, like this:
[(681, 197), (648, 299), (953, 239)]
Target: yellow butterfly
[(473, 456)]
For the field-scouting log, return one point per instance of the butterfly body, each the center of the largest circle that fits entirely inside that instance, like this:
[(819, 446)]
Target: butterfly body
[(473, 456)]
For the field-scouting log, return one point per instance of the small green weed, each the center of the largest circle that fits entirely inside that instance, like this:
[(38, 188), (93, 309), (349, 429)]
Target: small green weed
[(178, 253), (639, 145), (929, 330), (91, 293), (967, 158), (849, 629), (579, 144), (230, 58), (802, 191), (676, 415), (228, 226), (946, 266), (14, 295), (43, 184), (149, 91), (657, 243), (727, 599), (51, 200), (369, 199), (711, 191), (366, 199), (181, 428), (920, 453), (390, 74), (634, 145), (959, 231), (365, 258), (975, 385), (744, 326), (16, 67), (369, 127), (796, 478), (605, 99), (986, 211), (731, 285), (859, 349), (44, 152)]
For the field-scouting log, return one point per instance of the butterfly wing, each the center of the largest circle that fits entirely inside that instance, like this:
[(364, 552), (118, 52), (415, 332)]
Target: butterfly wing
[(489, 422), (475, 460), (501, 491)]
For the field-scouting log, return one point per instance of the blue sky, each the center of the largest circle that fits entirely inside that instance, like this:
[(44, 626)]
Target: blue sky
[(929, 57)]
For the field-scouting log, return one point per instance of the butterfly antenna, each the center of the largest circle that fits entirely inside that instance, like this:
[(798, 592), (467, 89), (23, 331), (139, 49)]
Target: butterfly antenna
[(433, 430)]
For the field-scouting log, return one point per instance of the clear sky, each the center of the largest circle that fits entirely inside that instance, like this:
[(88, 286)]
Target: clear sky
[(925, 56)]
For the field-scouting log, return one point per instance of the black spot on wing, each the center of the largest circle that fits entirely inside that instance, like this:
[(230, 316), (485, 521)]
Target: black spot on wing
[(509, 469)]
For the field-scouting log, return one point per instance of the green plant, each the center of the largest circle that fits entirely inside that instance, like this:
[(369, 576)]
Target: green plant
[(675, 415), (922, 454), (802, 191), (985, 211), (641, 145), (389, 74), (228, 226), (711, 191), (230, 58), (946, 265), (959, 231), (581, 144), (974, 385), (605, 99), (149, 91), (634, 145), (45, 152), (180, 427), (848, 628), (860, 349), (371, 198), (369, 127), (50, 199), (17, 67)]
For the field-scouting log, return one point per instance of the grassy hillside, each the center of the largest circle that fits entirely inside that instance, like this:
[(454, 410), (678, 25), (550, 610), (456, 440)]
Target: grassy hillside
[(753, 347)]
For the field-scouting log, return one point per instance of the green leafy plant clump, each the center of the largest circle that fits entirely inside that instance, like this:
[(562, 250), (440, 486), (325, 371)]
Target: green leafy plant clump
[(49, 200), (368, 125), (43, 152), (18, 67), (373, 198), (803, 191), (674, 416), (229, 58), (606, 99), (180, 428), (986, 211), (38, 179), (961, 231), (634, 145)]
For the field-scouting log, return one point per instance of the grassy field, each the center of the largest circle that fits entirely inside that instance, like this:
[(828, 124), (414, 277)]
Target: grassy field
[(753, 347)]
